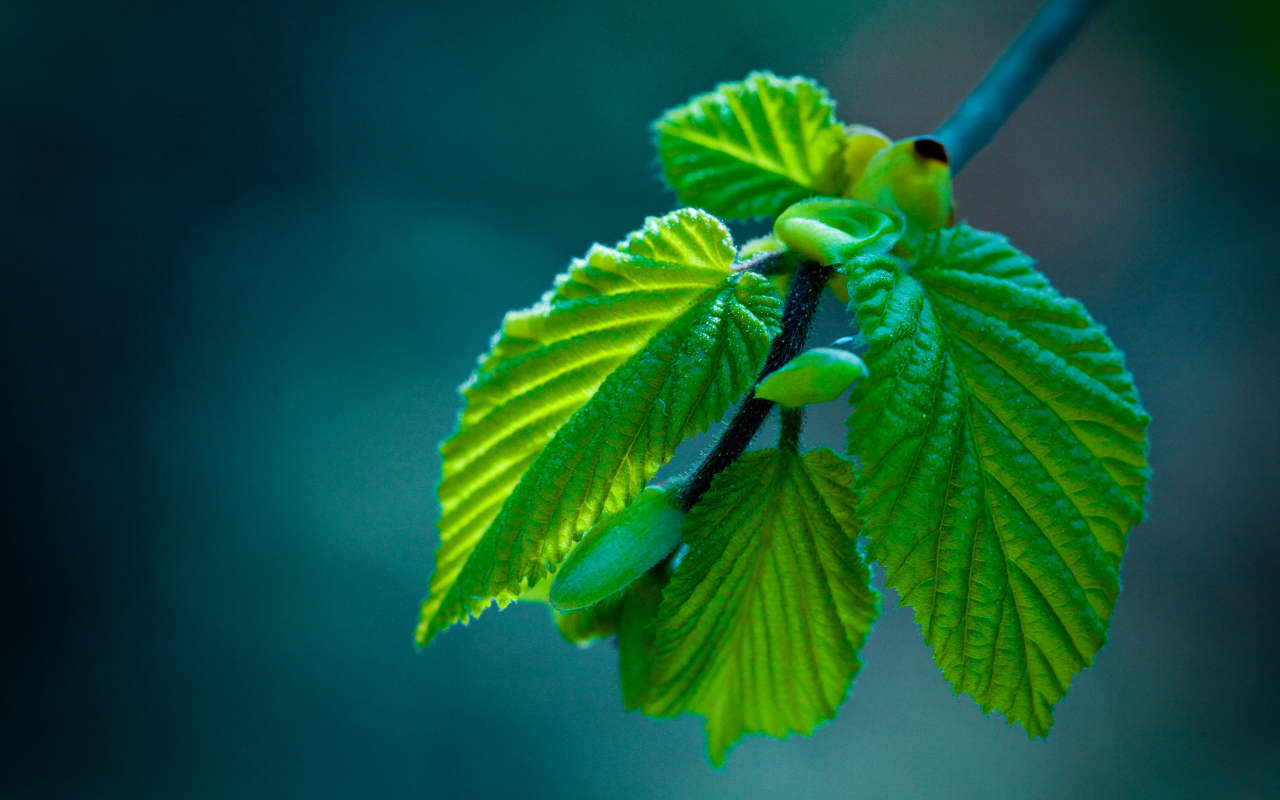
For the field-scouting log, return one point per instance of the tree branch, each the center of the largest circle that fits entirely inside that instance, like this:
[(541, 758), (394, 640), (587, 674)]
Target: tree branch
[(1012, 78)]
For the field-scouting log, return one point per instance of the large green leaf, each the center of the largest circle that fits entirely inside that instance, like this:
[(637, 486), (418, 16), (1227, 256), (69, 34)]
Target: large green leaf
[(1003, 455), (549, 360), (682, 380), (751, 149), (759, 630)]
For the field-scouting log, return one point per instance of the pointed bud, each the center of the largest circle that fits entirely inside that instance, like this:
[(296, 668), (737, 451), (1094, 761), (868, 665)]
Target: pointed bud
[(814, 376), (914, 175), (619, 549)]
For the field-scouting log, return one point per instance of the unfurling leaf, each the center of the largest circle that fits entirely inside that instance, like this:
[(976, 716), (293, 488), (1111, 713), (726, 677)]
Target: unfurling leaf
[(815, 376), (619, 549), (760, 628), (833, 231), (706, 331), (1003, 455), (751, 149)]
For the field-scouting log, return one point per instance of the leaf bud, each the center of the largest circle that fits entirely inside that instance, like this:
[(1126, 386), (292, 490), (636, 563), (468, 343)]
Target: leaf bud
[(860, 144), (814, 376), (915, 175), (619, 549)]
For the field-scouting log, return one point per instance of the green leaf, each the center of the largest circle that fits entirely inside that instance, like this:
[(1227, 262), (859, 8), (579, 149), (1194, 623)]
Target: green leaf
[(1003, 463), (678, 382), (547, 361), (759, 630), (751, 149)]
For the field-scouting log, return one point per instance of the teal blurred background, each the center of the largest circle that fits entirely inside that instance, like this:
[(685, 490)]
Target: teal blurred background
[(249, 249)]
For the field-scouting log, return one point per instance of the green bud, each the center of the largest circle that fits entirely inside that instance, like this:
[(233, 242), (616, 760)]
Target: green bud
[(861, 143), (814, 376), (619, 549), (915, 176)]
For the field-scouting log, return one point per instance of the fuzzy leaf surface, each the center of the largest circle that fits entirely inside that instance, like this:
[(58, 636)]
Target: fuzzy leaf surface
[(760, 628), (547, 361), (751, 149), (674, 387), (1003, 454)]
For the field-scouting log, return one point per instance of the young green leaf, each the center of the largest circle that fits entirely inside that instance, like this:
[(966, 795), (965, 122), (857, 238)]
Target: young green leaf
[(680, 382), (833, 231), (1003, 455), (760, 628), (549, 360), (751, 149)]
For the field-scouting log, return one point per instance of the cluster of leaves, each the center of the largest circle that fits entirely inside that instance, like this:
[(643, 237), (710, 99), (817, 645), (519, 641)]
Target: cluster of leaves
[(997, 450)]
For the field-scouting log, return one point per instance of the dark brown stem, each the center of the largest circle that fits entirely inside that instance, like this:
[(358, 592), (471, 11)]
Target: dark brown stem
[(797, 317)]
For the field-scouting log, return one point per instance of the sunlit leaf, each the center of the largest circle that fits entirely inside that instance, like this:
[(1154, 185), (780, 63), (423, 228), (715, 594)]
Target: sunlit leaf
[(547, 361), (750, 149), (759, 630), (683, 378)]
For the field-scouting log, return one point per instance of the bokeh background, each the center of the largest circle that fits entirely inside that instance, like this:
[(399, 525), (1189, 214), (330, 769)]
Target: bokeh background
[(249, 249)]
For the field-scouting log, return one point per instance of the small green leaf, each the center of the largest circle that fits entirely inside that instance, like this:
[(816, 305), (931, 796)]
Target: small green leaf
[(759, 630), (834, 231), (1003, 450), (751, 149), (619, 549), (682, 380), (815, 376), (547, 361)]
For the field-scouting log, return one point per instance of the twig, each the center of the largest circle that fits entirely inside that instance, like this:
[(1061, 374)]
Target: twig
[(797, 315), (1013, 77), (964, 134)]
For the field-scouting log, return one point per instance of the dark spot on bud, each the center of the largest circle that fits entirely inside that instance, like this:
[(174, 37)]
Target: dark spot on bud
[(932, 149)]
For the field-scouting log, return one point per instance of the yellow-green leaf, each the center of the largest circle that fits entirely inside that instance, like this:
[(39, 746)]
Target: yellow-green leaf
[(760, 628), (675, 386), (751, 149), (547, 361)]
